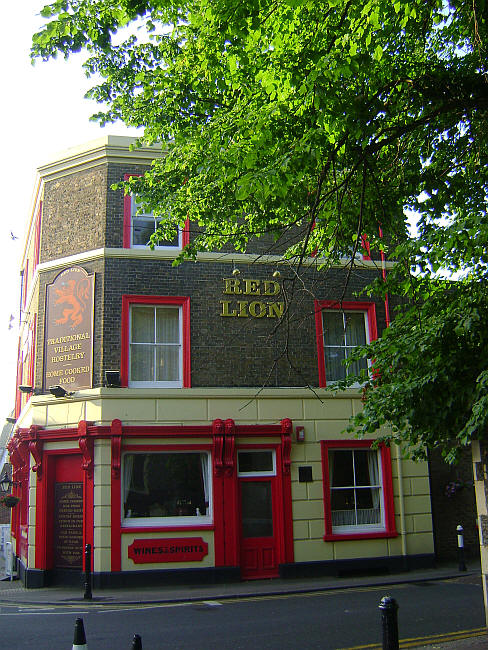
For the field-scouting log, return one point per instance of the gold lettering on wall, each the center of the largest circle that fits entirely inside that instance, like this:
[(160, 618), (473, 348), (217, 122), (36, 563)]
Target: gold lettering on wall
[(251, 308)]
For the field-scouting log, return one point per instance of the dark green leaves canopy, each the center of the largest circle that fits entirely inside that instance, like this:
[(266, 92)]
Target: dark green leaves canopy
[(335, 116)]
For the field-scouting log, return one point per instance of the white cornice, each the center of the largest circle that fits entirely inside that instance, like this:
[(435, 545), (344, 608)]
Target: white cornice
[(108, 149), (217, 257), (236, 259)]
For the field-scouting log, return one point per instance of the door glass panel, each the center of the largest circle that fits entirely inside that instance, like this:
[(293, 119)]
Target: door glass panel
[(255, 461), (257, 511)]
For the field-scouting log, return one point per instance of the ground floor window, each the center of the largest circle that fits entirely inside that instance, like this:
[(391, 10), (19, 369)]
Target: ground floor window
[(167, 488), (358, 497)]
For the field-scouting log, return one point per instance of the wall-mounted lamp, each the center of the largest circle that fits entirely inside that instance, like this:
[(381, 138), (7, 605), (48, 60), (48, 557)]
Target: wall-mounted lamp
[(11, 420), (300, 433), (277, 274), (59, 391), (236, 272), (26, 389), (112, 378), (6, 483)]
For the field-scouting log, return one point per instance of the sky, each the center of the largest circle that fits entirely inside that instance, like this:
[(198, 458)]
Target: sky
[(42, 112)]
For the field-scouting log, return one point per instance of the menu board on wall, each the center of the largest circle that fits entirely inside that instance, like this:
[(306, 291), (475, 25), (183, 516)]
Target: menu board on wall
[(68, 525), (68, 339)]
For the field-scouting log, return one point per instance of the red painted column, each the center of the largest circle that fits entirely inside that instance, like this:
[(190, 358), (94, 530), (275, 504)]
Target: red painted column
[(287, 428), (218, 492), (231, 498), (116, 559)]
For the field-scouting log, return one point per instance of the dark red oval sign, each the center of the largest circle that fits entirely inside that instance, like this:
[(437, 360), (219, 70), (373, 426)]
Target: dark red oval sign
[(182, 549)]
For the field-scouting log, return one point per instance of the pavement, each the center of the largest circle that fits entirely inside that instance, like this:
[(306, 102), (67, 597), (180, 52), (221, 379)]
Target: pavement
[(12, 592)]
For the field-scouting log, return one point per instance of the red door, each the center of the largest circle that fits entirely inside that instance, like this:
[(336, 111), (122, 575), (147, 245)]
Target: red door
[(259, 551), (66, 513)]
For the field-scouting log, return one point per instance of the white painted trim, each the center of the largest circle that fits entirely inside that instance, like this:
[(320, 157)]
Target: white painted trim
[(249, 393), (108, 149), (171, 254)]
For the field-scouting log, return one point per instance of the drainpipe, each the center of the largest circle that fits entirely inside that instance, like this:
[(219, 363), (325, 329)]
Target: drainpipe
[(403, 532)]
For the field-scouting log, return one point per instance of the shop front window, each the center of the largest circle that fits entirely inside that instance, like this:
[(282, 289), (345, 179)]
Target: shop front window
[(167, 488), (358, 490)]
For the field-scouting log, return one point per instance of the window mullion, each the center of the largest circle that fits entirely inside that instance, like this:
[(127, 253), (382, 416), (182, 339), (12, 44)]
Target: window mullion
[(155, 347), (354, 490), (344, 326)]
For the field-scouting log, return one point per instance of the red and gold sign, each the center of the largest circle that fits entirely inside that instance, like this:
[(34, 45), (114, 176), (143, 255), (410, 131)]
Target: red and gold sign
[(68, 347), (182, 549)]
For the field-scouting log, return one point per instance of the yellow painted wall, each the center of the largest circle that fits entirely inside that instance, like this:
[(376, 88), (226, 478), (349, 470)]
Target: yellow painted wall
[(323, 419), (102, 519)]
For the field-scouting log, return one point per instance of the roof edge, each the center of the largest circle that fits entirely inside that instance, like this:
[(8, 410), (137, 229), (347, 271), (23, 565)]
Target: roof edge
[(109, 148)]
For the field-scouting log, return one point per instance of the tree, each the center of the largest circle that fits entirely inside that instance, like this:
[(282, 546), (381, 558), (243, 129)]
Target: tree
[(334, 117), (318, 122)]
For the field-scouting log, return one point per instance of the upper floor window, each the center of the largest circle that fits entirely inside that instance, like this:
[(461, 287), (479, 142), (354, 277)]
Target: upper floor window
[(140, 224), (341, 327), (156, 341), (144, 224), (155, 345)]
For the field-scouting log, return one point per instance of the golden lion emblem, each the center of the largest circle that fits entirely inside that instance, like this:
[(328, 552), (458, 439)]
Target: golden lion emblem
[(75, 295)]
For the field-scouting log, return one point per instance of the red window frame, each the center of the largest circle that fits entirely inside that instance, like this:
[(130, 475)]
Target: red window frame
[(126, 238), (366, 248), (184, 302), (127, 527), (369, 308), (387, 492)]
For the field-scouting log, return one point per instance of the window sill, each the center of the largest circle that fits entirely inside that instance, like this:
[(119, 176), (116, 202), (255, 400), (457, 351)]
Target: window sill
[(149, 384), (138, 247), (377, 534), (165, 529)]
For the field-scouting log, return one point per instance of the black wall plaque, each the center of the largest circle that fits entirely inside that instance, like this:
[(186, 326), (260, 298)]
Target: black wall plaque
[(68, 525), (305, 474)]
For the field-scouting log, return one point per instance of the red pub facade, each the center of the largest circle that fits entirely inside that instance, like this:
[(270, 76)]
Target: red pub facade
[(158, 421)]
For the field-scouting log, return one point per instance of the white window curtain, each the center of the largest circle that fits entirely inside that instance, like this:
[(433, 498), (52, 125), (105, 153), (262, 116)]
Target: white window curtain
[(370, 516), (204, 471), (128, 468)]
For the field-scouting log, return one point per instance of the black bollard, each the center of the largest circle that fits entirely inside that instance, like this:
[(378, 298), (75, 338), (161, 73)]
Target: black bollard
[(460, 538), (136, 642), (79, 641), (88, 577), (389, 620)]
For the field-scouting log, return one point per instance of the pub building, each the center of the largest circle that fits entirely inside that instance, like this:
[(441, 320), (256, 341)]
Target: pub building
[(159, 420)]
